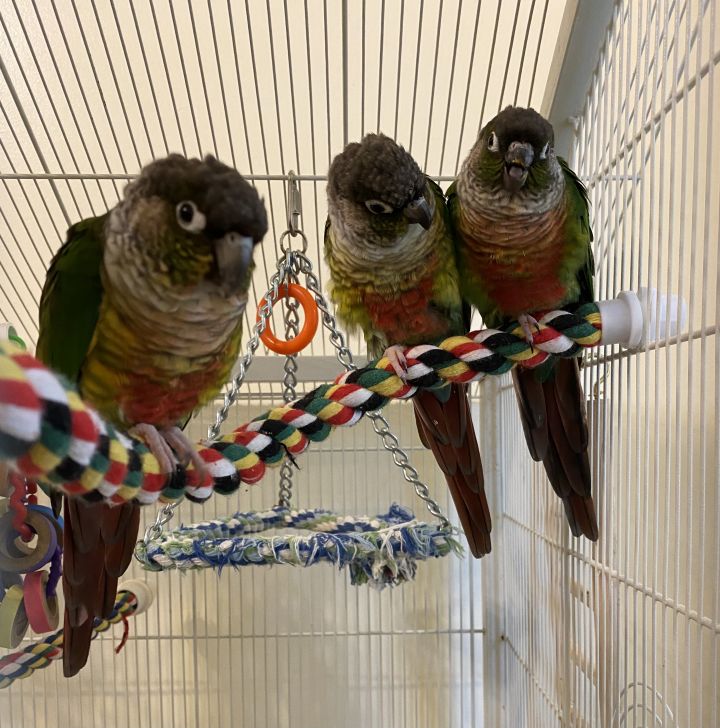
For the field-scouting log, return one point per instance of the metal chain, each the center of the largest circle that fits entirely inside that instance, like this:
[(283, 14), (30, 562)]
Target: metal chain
[(343, 354), (380, 424), (164, 515), (401, 459), (292, 329)]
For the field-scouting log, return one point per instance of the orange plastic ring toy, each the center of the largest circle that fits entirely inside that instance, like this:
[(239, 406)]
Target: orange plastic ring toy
[(309, 307)]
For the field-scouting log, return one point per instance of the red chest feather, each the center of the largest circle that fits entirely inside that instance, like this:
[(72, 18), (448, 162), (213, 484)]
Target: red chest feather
[(519, 260), (166, 403), (523, 285), (409, 316)]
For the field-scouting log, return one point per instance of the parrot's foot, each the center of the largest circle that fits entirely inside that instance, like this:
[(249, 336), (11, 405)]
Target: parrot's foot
[(158, 446), (396, 356), (526, 322), (185, 450), (170, 446)]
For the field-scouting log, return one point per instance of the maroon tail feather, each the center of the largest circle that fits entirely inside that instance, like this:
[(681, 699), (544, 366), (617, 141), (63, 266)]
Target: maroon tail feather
[(555, 423), (446, 428), (98, 545)]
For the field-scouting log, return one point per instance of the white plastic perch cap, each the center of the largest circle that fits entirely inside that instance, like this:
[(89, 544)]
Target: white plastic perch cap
[(622, 320), (634, 319), (143, 593)]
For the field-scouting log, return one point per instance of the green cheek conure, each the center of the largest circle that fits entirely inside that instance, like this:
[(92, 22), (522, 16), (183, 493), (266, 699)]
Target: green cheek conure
[(522, 224), (390, 251), (142, 308)]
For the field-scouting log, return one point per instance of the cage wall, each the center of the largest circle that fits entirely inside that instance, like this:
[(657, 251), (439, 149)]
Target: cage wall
[(90, 91), (545, 631), (626, 632)]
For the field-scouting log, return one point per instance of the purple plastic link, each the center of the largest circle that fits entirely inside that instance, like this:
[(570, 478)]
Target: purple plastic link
[(55, 573)]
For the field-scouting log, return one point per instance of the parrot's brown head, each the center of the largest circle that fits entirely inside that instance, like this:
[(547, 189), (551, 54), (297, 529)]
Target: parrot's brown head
[(192, 220), (514, 152), (376, 189)]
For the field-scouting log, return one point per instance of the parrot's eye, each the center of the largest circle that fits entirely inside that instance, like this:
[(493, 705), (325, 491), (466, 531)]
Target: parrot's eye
[(378, 207), (493, 143), (544, 151), (189, 217)]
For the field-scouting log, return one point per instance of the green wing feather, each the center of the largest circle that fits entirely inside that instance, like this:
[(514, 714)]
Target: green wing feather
[(579, 230), (71, 298), (446, 295), (98, 540)]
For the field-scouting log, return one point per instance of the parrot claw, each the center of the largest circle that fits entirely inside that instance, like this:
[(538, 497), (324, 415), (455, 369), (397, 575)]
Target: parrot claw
[(170, 446), (157, 444), (526, 322), (185, 450), (396, 356)]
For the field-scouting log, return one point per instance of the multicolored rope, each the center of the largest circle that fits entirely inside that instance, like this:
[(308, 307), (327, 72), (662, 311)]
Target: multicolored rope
[(54, 438), (22, 664), (380, 551)]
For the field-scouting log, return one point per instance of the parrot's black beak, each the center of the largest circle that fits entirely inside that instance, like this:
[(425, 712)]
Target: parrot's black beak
[(419, 211), (518, 158), (233, 255)]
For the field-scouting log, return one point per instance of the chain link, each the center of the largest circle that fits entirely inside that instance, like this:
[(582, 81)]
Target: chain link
[(286, 241), (292, 329), (164, 515)]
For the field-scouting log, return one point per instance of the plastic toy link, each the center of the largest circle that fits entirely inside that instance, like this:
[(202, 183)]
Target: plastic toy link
[(28, 593), (310, 309)]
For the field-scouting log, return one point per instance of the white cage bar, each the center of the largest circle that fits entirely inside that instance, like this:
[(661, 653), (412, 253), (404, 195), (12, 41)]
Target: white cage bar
[(545, 631)]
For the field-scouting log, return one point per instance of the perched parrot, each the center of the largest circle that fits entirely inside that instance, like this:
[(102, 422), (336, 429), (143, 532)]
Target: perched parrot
[(390, 253), (522, 227), (142, 308)]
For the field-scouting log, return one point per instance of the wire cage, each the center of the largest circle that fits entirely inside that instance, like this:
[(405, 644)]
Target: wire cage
[(546, 630)]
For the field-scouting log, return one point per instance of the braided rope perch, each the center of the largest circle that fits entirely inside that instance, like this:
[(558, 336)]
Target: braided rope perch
[(380, 551), (54, 438), (24, 663)]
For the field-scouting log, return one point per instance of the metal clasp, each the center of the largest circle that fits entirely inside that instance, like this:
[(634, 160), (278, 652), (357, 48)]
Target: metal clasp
[(294, 203)]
